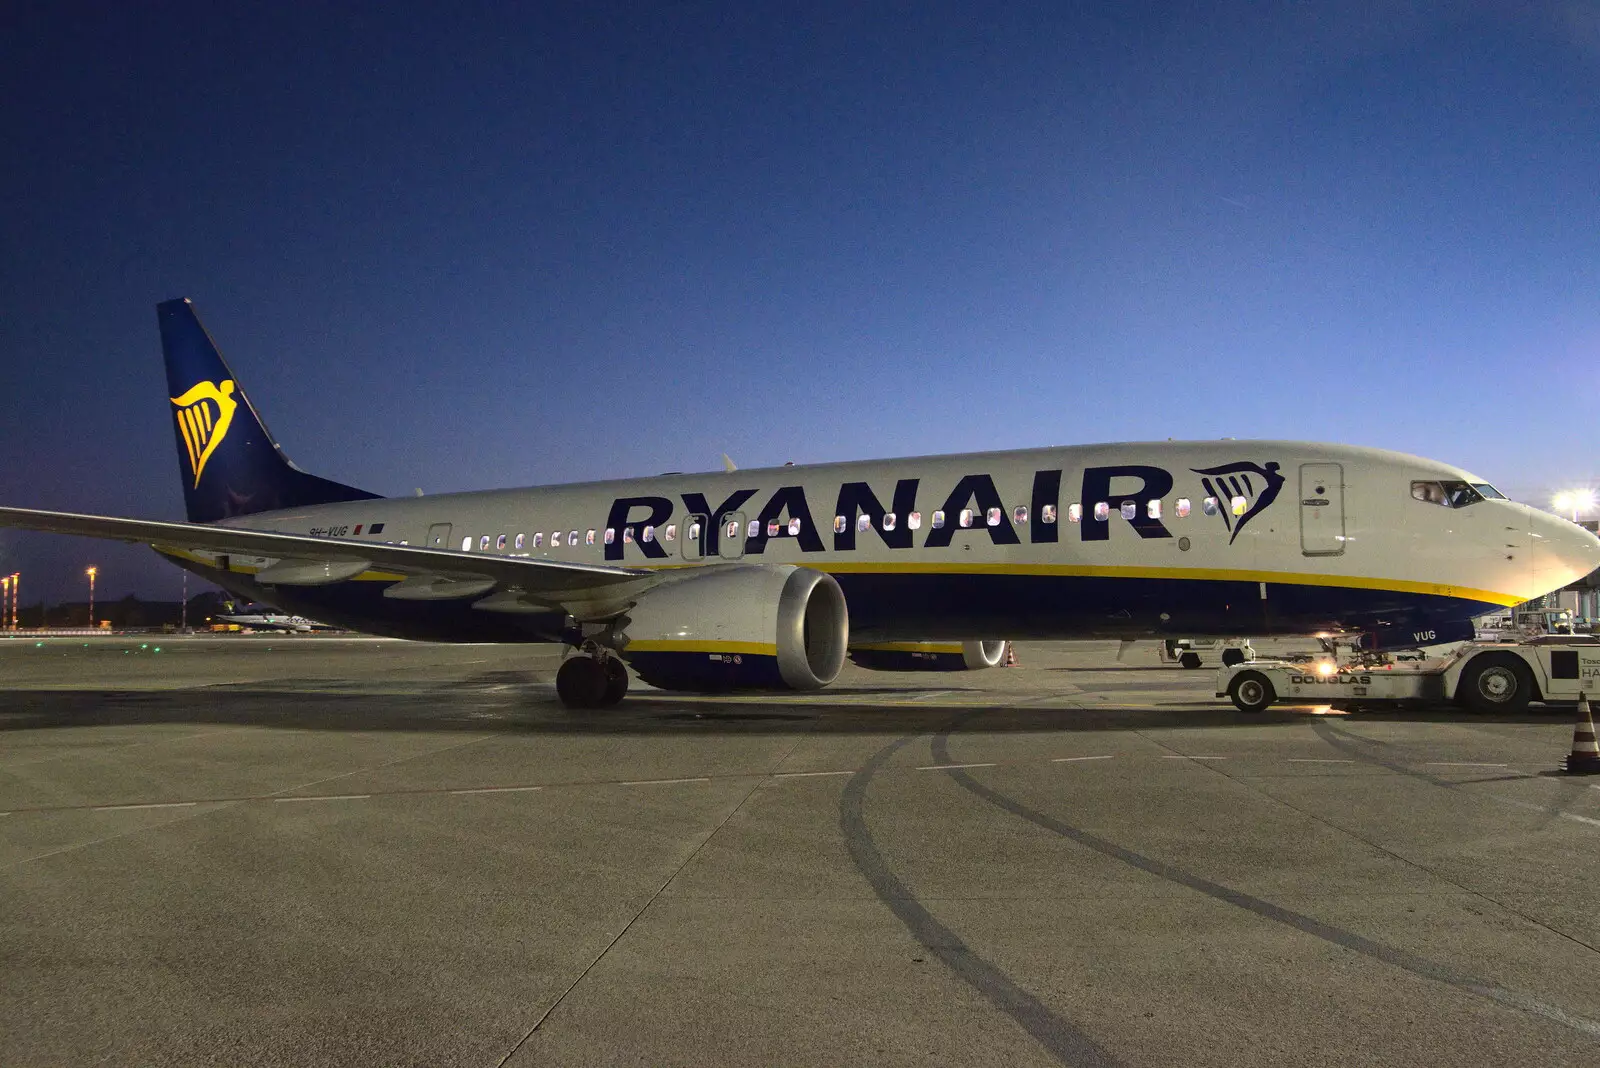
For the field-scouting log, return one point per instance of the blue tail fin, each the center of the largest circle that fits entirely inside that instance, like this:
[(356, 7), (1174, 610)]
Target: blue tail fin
[(229, 463)]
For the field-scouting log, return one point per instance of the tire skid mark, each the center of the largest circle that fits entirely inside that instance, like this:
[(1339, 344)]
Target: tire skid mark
[(1399, 958), (1064, 1041)]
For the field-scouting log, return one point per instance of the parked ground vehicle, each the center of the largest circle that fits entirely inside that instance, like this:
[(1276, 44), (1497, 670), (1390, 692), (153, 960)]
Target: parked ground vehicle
[(1481, 676), (1186, 651)]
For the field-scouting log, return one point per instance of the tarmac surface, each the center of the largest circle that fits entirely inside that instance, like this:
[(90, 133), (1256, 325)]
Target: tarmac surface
[(274, 850)]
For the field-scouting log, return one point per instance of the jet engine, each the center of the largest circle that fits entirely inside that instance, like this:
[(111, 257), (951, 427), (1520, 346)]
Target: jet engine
[(928, 656), (737, 627)]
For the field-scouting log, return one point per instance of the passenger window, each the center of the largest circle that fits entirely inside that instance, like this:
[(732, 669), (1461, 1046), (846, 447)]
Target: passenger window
[(794, 527), (521, 540), (1153, 509), (754, 530), (500, 542), (611, 536), (555, 539), (1240, 505), (1047, 514), (483, 543), (648, 534), (538, 539), (693, 533), (1019, 514), (1209, 506), (914, 520), (1183, 508), (863, 523), (672, 532), (995, 516), (966, 517), (588, 539), (572, 538), (466, 544), (627, 535), (889, 520), (840, 524), (1102, 511), (938, 520), (1128, 509), (1074, 513), (733, 528)]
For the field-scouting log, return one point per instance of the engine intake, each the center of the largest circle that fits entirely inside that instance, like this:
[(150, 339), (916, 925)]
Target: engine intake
[(740, 627)]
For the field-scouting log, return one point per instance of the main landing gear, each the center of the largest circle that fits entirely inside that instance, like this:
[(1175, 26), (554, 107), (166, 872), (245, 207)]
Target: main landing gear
[(592, 679)]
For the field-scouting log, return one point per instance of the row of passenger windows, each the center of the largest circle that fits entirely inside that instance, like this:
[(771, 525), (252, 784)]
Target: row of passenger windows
[(967, 517)]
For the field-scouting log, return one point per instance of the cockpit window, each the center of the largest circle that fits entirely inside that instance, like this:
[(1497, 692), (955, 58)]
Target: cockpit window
[(1489, 491), (1451, 494)]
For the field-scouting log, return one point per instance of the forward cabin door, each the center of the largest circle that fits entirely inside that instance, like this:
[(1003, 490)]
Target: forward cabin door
[(439, 536), (1322, 509)]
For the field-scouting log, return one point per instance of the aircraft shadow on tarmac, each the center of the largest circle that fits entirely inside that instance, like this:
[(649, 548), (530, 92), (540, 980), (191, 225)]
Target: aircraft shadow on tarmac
[(512, 708)]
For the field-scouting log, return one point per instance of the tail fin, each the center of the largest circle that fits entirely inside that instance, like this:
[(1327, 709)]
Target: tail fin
[(229, 462)]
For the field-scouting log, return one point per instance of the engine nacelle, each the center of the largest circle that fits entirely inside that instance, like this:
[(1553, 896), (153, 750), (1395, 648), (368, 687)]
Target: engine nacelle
[(928, 656), (739, 626)]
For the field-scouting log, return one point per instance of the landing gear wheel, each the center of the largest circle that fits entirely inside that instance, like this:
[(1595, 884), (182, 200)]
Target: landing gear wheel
[(616, 682), (1190, 660), (1496, 682), (581, 682), (1231, 657), (1251, 692)]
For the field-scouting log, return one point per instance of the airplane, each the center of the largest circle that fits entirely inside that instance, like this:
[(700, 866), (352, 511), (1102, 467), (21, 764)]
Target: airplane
[(263, 617), (770, 578)]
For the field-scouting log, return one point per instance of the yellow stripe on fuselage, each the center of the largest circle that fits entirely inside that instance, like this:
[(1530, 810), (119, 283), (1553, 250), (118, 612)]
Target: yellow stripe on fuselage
[(1191, 574), (666, 646)]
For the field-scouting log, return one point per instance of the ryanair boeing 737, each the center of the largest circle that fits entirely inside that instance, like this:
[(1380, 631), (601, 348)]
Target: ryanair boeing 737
[(770, 578)]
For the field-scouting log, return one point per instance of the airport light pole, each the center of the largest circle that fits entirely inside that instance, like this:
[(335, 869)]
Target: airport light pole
[(5, 601), (91, 574), (1574, 501)]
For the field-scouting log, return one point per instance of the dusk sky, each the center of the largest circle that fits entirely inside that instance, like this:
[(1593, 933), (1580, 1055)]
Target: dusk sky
[(458, 247)]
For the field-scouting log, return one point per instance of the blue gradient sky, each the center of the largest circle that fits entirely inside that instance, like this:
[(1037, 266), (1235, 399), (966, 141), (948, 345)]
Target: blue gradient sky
[(484, 249)]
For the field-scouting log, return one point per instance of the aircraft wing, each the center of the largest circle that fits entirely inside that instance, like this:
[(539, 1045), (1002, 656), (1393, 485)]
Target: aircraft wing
[(586, 591)]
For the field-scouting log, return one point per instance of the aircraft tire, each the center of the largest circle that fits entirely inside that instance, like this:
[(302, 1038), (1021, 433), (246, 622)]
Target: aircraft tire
[(581, 682), (1190, 660), (1231, 657), (1251, 692), (1495, 682), (616, 682)]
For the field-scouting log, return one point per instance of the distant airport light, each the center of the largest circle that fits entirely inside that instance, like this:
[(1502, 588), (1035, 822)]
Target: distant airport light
[(1574, 501), (91, 573)]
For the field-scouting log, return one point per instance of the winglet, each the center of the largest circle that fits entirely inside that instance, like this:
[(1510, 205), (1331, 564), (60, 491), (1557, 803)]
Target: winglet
[(728, 465)]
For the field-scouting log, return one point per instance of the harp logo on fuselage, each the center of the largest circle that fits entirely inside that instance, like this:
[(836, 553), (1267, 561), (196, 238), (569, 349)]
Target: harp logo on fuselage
[(204, 414)]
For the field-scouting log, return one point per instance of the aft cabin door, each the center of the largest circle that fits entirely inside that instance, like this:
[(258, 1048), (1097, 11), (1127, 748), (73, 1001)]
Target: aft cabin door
[(1321, 509), (439, 536)]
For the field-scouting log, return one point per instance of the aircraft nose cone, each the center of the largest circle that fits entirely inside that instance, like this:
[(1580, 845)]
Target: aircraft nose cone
[(1563, 552)]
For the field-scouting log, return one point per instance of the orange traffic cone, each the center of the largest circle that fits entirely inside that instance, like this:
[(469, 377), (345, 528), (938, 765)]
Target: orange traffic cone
[(1585, 756), (1011, 655)]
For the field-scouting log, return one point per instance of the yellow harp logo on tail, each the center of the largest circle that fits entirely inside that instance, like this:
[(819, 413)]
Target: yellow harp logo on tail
[(204, 414)]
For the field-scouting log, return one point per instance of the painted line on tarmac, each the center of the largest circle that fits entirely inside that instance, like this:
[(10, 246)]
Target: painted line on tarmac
[(156, 804), (1065, 1042), (807, 774), (664, 782), (497, 790), (1461, 764), (948, 767), (1069, 760), (1184, 756), (1344, 740), (322, 797), (1399, 958), (1320, 760)]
